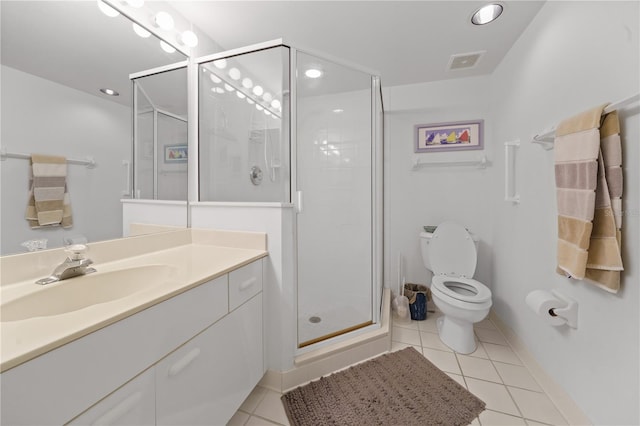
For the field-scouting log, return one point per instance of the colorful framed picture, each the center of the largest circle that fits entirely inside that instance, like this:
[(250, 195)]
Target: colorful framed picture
[(175, 154), (457, 136)]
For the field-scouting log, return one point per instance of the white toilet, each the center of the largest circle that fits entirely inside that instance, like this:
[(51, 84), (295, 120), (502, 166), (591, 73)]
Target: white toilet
[(450, 253)]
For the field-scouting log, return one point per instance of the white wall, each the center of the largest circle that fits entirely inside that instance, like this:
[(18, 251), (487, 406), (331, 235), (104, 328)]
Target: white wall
[(573, 56), (43, 117), (430, 196)]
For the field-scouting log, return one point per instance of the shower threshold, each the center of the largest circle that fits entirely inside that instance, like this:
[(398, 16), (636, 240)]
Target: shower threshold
[(334, 334)]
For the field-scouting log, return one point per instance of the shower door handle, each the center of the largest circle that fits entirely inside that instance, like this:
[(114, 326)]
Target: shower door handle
[(299, 201)]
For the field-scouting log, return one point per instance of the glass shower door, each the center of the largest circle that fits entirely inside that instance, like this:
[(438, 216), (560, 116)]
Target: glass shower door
[(334, 153)]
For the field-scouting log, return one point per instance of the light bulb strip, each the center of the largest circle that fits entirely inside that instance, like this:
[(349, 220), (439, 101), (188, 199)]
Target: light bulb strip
[(144, 16), (238, 87)]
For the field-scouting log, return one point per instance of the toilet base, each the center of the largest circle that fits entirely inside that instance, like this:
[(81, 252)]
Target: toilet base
[(456, 334)]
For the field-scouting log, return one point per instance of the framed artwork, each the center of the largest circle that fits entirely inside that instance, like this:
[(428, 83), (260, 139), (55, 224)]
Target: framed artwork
[(175, 154), (456, 136)]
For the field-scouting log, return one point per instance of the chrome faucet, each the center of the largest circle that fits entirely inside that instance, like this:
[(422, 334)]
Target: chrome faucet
[(74, 265)]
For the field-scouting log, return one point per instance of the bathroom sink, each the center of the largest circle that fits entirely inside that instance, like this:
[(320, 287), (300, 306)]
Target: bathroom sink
[(81, 292)]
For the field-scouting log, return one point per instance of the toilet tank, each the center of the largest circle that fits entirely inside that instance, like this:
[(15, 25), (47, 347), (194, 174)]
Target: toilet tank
[(425, 237)]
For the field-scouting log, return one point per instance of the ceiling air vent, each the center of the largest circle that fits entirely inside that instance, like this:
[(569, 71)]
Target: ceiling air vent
[(465, 60)]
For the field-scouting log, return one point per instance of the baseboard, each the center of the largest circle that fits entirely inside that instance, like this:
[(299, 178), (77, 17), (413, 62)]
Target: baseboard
[(560, 398), (315, 364)]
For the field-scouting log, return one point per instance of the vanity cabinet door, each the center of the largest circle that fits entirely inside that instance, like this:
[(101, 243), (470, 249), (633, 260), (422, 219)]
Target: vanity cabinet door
[(205, 381), (132, 404)]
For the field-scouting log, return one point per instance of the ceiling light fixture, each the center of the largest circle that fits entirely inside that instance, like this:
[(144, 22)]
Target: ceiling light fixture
[(109, 92), (241, 95), (234, 73), (167, 47), (258, 90), (250, 101), (313, 73), (140, 31), (135, 3), (164, 20), (215, 78), (487, 14), (220, 64), (107, 10), (338, 110), (275, 104), (229, 88), (267, 97), (189, 38), (247, 83)]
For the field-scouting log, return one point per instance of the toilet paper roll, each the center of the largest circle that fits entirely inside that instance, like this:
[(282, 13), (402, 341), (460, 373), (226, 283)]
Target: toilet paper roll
[(541, 302)]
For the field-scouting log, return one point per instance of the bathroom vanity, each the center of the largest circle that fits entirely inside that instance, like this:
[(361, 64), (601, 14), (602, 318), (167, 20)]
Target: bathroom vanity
[(175, 335)]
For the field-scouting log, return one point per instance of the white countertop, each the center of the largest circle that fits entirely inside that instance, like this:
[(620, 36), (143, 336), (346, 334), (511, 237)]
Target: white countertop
[(199, 260)]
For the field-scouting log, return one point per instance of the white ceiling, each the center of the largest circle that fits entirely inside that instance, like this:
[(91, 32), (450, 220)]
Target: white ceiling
[(405, 41), (72, 43)]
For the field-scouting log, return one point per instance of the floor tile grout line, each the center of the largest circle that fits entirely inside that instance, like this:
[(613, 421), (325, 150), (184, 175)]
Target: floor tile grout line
[(264, 394)]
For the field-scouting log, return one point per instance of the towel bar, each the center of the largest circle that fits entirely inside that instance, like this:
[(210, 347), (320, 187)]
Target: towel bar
[(482, 163), (90, 163), (546, 138)]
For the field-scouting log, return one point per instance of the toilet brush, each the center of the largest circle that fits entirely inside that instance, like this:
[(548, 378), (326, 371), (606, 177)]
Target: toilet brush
[(400, 302)]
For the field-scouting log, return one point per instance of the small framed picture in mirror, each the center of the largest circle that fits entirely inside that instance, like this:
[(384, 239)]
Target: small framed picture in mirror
[(175, 154)]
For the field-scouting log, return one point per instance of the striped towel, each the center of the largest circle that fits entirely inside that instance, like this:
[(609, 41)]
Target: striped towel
[(49, 202), (588, 160)]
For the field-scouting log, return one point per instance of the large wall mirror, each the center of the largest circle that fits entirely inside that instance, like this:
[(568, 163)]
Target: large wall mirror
[(56, 56)]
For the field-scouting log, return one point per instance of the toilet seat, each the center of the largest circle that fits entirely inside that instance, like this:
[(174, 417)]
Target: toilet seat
[(472, 291), (452, 251)]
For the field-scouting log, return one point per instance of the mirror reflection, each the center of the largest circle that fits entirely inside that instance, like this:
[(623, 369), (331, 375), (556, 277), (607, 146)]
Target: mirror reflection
[(66, 92), (160, 136)]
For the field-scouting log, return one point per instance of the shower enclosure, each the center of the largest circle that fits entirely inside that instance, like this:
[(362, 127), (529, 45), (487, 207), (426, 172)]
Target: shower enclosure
[(291, 127)]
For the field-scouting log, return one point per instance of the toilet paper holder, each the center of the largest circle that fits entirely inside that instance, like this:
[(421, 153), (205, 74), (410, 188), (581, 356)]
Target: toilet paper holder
[(569, 312)]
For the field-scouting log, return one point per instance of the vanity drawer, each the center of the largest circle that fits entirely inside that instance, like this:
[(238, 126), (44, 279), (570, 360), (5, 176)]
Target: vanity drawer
[(132, 404), (244, 283)]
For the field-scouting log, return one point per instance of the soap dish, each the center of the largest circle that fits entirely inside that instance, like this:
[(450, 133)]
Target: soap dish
[(429, 229)]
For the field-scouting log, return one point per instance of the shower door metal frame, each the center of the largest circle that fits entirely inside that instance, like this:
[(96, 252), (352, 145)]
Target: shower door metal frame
[(376, 187)]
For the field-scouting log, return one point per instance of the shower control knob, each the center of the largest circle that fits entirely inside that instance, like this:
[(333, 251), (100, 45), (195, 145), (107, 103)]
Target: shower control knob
[(255, 175)]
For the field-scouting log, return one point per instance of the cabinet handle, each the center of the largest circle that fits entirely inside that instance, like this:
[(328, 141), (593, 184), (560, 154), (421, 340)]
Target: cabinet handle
[(111, 417), (248, 283), (184, 362)]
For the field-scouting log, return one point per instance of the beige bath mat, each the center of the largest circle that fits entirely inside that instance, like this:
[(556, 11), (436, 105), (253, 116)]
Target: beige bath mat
[(400, 388)]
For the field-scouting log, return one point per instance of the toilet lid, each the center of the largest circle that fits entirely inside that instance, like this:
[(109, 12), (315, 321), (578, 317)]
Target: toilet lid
[(452, 251), (465, 289)]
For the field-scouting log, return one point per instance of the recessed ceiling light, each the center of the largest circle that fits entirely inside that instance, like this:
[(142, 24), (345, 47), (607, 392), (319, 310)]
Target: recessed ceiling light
[(338, 110), (215, 78), (258, 90), (220, 64), (109, 92), (486, 14), (275, 104), (313, 73)]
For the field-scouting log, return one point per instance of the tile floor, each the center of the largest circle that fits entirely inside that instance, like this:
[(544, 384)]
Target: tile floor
[(493, 373)]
